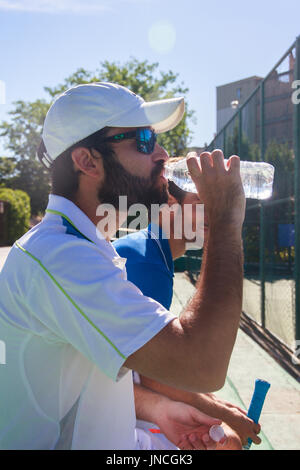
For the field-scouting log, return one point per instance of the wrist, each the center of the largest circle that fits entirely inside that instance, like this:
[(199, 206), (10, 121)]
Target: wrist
[(224, 412), (159, 409), (211, 405), (225, 228)]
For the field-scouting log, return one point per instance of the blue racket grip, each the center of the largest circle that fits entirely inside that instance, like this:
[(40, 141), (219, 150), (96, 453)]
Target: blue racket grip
[(260, 391)]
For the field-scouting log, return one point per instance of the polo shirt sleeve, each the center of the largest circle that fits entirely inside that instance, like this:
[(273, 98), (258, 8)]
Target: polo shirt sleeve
[(86, 301)]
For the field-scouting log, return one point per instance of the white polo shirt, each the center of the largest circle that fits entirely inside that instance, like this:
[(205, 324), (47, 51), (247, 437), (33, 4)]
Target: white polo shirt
[(69, 319)]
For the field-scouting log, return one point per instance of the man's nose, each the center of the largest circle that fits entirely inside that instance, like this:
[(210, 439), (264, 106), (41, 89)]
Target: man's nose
[(159, 153)]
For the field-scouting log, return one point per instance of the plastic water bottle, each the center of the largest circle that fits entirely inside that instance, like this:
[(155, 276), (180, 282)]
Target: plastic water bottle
[(257, 177)]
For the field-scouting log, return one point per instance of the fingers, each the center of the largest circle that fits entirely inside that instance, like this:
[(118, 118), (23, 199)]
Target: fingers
[(218, 187), (256, 440), (257, 428), (254, 436), (208, 442), (209, 160), (218, 159), (197, 441), (212, 160), (233, 163), (193, 162), (187, 443), (244, 412)]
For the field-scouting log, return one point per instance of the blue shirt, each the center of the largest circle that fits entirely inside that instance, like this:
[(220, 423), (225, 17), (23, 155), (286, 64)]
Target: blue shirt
[(149, 263)]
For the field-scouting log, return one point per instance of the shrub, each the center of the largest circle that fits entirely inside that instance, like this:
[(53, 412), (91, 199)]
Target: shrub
[(17, 219)]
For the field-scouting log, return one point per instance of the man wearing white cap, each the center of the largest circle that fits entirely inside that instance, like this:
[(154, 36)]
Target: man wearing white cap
[(72, 324)]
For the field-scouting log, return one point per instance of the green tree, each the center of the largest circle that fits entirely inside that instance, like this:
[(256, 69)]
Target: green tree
[(22, 136), (7, 169), (282, 157), (22, 133), (17, 217)]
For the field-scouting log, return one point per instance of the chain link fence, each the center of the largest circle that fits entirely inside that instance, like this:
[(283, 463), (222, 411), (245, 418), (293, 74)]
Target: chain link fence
[(266, 127)]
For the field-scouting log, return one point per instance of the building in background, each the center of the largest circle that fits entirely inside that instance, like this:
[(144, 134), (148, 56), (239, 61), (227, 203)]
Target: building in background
[(231, 96), (278, 107)]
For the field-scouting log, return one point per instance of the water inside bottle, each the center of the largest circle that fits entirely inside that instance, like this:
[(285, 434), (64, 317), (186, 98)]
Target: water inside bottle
[(257, 178)]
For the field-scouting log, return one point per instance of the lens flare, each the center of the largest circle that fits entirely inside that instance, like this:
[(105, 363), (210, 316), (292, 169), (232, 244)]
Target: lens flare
[(162, 36)]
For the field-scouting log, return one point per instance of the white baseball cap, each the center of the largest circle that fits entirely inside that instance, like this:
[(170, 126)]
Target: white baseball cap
[(85, 109)]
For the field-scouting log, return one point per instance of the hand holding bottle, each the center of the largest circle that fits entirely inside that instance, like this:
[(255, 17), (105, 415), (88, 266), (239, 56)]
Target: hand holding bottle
[(218, 187), (257, 177)]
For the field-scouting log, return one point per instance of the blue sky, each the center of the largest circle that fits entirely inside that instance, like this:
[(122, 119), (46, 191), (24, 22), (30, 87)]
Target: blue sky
[(209, 43)]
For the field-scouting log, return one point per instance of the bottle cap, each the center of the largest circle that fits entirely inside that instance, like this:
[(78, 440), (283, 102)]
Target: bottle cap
[(216, 433)]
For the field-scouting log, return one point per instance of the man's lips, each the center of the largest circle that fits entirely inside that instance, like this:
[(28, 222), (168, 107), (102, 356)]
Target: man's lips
[(158, 172), (162, 175)]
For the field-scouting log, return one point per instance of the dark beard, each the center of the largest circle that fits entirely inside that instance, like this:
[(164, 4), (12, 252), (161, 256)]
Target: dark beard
[(119, 182)]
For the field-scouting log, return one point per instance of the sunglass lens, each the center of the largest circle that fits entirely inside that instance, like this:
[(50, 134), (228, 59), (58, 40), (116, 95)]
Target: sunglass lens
[(146, 139)]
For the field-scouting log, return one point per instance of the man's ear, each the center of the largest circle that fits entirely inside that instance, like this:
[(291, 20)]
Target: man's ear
[(86, 162)]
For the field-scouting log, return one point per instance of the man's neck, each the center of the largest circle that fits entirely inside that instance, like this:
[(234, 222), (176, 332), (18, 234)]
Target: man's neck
[(177, 247), (104, 217), (176, 243)]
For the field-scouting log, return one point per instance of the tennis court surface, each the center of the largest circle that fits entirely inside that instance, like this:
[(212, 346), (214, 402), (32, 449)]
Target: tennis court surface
[(280, 418)]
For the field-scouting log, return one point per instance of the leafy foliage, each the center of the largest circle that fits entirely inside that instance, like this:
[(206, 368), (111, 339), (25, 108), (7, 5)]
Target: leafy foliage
[(22, 134), (7, 169), (18, 213), (282, 157)]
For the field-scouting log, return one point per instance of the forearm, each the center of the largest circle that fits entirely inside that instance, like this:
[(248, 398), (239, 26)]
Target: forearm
[(235, 423), (207, 403), (211, 318), (192, 352), (148, 403)]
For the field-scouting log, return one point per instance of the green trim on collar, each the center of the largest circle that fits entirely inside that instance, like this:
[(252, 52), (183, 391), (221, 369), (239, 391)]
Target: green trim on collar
[(52, 211)]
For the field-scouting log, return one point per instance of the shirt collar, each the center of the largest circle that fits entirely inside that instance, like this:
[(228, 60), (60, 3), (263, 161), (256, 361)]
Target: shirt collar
[(67, 209)]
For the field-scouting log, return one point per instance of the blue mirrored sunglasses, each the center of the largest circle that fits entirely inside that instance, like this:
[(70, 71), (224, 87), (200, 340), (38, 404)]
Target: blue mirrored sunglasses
[(145, 139)]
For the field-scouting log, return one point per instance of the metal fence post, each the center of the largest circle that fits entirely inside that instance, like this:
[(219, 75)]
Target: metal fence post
[(224, 143), (262, 264), (262, 238), (262, 121), (297, 196), (240, 135)]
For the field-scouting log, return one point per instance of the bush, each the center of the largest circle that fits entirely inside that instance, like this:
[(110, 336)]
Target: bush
[(17, 219)]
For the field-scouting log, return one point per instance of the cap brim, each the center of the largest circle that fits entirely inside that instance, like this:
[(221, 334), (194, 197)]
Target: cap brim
[(162, 115)]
